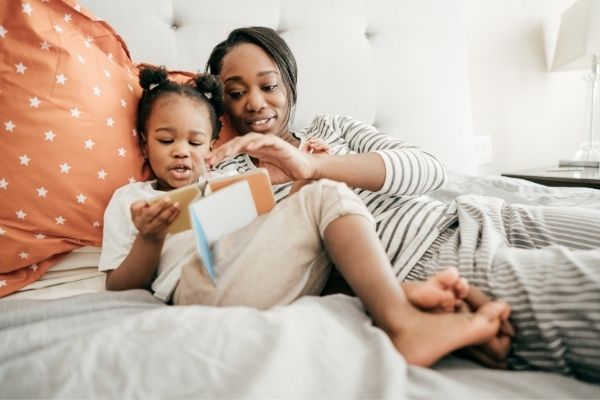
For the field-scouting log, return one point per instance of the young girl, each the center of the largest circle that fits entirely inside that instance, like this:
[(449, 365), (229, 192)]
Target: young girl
[(279, 256)]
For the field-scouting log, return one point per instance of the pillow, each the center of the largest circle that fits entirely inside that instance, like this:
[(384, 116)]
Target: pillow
[(69, 91)]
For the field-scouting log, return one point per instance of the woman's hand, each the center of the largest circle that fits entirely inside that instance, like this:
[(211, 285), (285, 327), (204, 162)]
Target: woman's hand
[(283, 161), (152, 220), (316, 146)]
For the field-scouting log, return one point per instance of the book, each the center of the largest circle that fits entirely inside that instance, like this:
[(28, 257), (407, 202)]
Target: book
[(217, 206)]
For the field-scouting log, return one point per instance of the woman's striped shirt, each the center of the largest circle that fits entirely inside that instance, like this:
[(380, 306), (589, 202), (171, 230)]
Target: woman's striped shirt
[(407, 221)]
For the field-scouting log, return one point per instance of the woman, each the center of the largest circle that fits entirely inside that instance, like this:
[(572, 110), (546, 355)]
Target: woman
[(545, 261)]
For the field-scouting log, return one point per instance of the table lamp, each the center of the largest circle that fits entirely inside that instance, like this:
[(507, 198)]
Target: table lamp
[(578, 47)]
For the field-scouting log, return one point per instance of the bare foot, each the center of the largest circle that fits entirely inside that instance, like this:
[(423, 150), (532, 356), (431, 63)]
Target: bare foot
[(423, 338), (442, 292)]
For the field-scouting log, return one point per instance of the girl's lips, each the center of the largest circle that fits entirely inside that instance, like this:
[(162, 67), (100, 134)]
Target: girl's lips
[(180, 173)]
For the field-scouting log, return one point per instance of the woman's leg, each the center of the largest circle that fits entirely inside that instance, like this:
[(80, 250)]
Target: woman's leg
[(545, 262)]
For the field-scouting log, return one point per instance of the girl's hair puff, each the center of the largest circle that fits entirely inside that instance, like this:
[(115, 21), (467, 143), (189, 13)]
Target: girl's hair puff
[(156, 85)]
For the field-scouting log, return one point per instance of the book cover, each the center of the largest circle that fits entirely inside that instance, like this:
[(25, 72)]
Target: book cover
[(219, 206)]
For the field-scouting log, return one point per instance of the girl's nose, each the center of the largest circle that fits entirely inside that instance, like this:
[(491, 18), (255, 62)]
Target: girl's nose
[(181, 150), (256, 101)]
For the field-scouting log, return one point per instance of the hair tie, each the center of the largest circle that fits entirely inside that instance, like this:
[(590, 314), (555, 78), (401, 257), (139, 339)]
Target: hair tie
[(152, 86)]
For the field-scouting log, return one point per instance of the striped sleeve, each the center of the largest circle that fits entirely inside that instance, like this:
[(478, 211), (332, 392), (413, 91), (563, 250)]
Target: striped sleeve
[(409, 170)]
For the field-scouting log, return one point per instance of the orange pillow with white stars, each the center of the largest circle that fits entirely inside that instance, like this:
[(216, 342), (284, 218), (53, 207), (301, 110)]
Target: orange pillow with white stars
[(68, 91)]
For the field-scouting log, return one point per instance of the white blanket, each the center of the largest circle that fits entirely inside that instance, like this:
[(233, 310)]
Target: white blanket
[(128, 345)]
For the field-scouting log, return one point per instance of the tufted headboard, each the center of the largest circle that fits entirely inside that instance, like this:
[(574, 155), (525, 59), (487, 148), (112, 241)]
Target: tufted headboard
[(400, 65)]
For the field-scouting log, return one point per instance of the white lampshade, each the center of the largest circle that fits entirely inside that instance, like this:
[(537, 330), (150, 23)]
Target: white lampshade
[(579, 36)]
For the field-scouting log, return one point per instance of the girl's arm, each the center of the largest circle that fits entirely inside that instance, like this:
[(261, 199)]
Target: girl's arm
[(138, 269)]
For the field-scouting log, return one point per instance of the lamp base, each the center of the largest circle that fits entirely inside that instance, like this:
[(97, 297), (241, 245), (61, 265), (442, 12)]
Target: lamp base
[(588, 151)]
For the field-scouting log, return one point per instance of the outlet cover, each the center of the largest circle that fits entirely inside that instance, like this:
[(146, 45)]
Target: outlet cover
[(483, 149)]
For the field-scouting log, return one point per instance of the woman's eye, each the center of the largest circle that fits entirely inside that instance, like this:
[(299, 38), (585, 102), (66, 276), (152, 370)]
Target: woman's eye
[(269, 88), (235, 95)]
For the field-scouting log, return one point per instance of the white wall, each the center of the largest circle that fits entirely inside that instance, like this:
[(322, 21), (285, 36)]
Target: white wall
[(534, 117)]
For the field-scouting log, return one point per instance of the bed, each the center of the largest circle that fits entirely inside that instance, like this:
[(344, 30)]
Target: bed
[(383, 62)]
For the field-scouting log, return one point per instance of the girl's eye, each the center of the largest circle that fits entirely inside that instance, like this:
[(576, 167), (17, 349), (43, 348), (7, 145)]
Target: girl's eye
[(196, 143), (165, 141)]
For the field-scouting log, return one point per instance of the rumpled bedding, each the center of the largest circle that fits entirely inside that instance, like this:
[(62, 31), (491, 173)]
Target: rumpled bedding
[(129, 345)]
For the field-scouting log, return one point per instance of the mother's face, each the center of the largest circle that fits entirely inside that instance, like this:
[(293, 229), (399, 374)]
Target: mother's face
[(255, 94)]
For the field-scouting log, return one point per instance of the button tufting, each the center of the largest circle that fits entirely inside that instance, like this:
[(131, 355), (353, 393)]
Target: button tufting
[(174, 27)]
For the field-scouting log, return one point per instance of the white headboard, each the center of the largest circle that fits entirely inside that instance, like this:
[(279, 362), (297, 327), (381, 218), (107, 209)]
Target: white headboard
[(400, 65)]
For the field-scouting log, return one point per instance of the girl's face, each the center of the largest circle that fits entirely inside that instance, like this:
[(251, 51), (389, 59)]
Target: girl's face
[(178, 136), (255, 95)]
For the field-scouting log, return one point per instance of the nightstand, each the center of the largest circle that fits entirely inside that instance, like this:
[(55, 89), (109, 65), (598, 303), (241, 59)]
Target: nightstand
[(587, 177)]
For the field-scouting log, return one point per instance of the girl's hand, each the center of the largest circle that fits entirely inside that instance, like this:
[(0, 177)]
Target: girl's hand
[(152, 220), (283, 161)]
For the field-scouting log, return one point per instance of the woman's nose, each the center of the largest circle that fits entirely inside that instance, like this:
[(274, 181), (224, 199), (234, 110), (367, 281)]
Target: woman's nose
[(256, 101)]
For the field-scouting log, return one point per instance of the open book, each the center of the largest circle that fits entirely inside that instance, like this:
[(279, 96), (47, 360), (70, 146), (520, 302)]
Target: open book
[(218, 206)]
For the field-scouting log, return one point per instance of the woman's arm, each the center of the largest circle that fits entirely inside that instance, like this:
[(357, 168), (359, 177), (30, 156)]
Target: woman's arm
[(138, 269), (407, 169)]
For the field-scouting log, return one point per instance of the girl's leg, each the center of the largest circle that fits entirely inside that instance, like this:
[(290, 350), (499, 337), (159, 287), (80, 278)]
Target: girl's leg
[(421, 337)]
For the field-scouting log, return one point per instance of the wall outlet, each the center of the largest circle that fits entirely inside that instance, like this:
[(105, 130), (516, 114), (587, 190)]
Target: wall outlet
[(483, 149)]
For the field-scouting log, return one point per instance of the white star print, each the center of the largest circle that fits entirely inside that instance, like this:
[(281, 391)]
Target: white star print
[(75, 113), (132, 179), (64, 168), (97, 91), (58, 29), (23, 255), (89, 144), (77, 7), (102, 174), (49, 136), (67, 18), (42, 191), (2, 282), (96, 224), (34, 267), (27, 9), (106, 73), (9, 126), (40, 236), (61, 79), (123, 103), (2, 232), (3, 31), (3, 184), (59, 220), (34, 102), (45, 46), (20, 68), (21, 214), (122, 152), (110, 122), (81, 198), (81, 59), (24, 159), (133, 132), (130, 88), (110, 57)]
